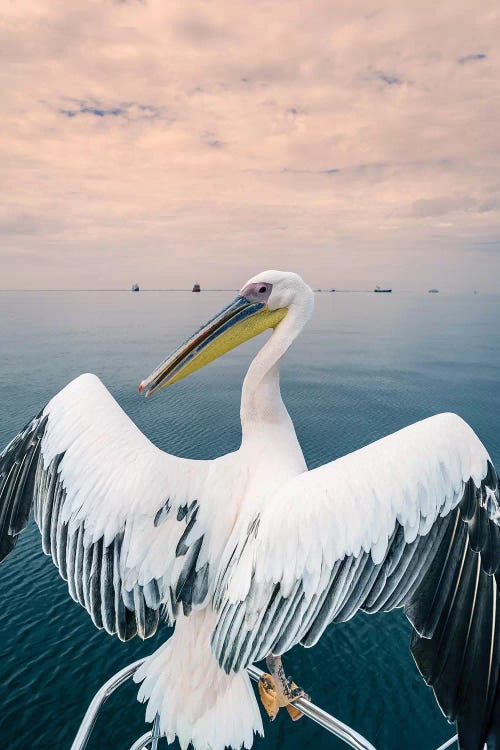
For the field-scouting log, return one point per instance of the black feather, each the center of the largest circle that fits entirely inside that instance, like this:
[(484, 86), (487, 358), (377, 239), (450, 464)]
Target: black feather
[(185, 582), (95, 603), (182, 546), (78, 572), (92, 571), (423, 608), (469, 500), (71, 547), (107, 590), (140, 611)]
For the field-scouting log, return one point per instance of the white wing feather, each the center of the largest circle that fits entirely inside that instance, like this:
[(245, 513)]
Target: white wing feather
[(341, 510), (101, 483), (114, 475)]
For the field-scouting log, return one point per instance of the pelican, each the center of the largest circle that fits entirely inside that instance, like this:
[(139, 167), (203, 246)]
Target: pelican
[(250, 554)]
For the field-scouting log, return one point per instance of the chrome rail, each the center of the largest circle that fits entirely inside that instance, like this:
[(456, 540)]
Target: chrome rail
[(328, 722), (149, 740), (99, 699), (449, 743), (142, 742)]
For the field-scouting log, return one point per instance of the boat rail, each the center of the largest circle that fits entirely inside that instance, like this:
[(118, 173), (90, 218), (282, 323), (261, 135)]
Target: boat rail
[(149, 740)]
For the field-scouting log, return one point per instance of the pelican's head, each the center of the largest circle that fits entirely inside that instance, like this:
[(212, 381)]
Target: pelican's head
[(262, 303)]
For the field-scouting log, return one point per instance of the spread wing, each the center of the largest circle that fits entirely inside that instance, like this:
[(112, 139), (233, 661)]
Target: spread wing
[(120, 518), (410, 521)]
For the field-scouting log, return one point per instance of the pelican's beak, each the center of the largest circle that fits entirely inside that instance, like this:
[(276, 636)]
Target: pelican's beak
[(236, 323)]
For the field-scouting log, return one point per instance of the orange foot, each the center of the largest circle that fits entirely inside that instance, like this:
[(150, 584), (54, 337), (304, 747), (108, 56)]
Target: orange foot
[(277, 691)]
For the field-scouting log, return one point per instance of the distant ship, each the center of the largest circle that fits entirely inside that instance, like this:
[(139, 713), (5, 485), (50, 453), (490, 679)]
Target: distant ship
[(433, 291), (378, 289), (196, 288), (135, 287)]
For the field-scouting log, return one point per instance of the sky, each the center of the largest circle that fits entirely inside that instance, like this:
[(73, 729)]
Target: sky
[(356, 143)]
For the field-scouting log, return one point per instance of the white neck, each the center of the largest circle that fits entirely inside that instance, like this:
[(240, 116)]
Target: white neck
[(261, 402)]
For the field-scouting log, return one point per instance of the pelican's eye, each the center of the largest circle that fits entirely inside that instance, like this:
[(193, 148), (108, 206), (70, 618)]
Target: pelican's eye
[(259, 291)]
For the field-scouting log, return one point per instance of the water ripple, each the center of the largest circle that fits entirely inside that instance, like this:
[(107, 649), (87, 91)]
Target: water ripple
[(364, 367)]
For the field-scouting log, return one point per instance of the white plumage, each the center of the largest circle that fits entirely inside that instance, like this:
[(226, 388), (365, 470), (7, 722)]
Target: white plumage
[(195, 699), (250, 553), (339, 510)]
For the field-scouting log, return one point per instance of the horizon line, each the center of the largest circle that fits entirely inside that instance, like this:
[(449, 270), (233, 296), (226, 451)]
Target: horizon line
[(229, 289)]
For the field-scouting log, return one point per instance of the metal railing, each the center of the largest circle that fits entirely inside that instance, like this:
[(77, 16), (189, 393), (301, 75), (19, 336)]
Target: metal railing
[(150, 739), (449, 743)]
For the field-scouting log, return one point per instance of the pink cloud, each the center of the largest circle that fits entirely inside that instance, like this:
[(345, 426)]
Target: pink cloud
[(143, 140)]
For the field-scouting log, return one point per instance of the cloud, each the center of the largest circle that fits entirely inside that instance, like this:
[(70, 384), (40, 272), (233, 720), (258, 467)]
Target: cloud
[(143, 140), (390, 80), (198, 29), (451, 204), (472, 58), (212, 141), (288, 170), (490, 246), (84, 108), (96, 108), (440, 206)]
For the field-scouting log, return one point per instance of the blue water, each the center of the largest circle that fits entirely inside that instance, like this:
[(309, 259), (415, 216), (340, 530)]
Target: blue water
[(365, 366)]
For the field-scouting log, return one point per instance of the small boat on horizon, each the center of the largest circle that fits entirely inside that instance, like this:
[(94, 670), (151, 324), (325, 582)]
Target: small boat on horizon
[(135, 287), (384, 291), (433, 291), (196, 287)]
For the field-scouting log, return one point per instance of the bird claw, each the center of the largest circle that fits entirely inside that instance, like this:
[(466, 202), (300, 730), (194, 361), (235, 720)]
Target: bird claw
[(269, 696), (275, 696), (295, 692)]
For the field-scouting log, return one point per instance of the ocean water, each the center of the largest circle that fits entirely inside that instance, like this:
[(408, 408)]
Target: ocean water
[(365, 366)]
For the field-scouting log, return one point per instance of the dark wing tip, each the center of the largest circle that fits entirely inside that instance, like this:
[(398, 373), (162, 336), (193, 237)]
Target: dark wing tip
[(18, 465), (455, 611)]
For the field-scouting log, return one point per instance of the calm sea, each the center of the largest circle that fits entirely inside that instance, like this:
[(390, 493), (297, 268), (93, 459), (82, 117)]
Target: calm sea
[(365, 366)]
